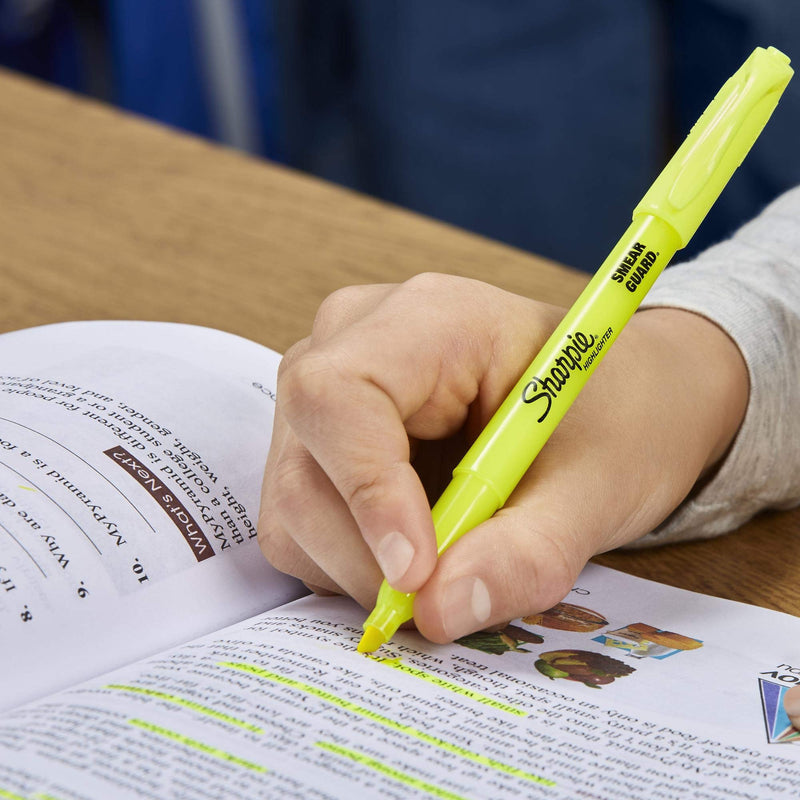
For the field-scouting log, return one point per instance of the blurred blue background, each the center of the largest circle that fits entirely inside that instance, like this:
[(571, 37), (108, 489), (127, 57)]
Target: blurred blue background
[(536, 123)]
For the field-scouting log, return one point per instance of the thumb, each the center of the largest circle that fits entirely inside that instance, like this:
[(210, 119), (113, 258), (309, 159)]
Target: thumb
[(514, 564), (625, 455)]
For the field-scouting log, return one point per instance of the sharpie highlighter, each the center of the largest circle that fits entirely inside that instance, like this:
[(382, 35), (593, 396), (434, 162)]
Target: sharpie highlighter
[(663, 222)]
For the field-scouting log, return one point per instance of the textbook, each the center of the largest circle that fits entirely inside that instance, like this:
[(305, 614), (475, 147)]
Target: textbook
[(149, 651)]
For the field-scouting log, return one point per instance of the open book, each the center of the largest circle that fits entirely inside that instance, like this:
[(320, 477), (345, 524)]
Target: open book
[(148, 651)]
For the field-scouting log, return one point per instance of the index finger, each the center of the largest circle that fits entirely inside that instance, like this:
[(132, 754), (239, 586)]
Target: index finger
[(417, 356)]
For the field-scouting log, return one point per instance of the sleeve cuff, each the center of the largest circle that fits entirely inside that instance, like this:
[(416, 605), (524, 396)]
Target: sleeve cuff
[(750, 287)]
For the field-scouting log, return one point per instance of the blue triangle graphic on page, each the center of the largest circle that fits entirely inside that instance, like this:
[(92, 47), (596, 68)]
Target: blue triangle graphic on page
[(779, 729)]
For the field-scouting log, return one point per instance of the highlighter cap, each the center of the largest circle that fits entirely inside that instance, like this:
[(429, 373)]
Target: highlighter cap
[(696, 175)]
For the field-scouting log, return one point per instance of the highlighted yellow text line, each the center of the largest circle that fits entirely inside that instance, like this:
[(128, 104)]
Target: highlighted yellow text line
[(408, 730), (195, 745), (190, 704), (391, 772), (443, 683)]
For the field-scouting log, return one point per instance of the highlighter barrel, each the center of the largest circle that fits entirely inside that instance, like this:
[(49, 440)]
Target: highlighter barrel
[(512, 439), (507, 446), (663, 222)]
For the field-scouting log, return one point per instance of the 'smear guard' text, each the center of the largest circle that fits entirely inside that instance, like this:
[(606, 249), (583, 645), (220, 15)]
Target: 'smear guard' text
[(633, 271)]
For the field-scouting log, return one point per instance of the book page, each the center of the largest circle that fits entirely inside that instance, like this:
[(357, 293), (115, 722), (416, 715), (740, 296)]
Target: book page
[(627, 689), (131, 458)]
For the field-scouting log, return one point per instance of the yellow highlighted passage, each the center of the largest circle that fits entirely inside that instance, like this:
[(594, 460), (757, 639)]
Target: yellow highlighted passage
[(195, 745), (347, 705), (396, 663), (190, 704), (6, 795), (391, 772)]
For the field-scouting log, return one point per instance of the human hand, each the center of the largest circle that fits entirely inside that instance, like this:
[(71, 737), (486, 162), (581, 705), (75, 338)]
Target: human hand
[(381, 401)]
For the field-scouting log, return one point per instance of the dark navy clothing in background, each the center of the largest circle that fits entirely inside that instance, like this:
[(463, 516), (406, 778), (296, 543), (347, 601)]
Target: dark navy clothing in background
[(532, 123), (540, 124), (537, 123)]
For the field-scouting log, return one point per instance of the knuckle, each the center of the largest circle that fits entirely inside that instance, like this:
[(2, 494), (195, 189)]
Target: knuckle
[(361, 493), (365, 490), (335, 309), (431, 283), (304, 384), (291, 356)]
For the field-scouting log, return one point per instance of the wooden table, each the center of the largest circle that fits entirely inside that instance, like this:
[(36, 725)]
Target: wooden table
[(107, 216)]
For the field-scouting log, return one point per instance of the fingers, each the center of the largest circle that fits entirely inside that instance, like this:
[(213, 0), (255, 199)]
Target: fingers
[(286, 555), (321, 591), (791, 704), (295, 492), (305, 526), (323, 532), (356, 437), (411, 366), (421, 367), (346, 306)]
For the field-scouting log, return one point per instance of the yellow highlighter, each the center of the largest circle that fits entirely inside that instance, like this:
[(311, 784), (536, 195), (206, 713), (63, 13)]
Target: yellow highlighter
[(663, 222)]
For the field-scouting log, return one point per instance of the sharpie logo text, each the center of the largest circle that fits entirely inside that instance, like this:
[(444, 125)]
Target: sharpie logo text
[(634, 266), (548, 388)]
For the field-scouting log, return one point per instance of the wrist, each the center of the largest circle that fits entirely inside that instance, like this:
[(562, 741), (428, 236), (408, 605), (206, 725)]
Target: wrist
[(713, 374)]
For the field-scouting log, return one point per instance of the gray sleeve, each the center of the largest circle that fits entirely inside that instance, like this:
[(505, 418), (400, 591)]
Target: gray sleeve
[(750, 287)]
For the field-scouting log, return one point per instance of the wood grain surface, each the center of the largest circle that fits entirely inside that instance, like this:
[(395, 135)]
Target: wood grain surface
[(106, 216)]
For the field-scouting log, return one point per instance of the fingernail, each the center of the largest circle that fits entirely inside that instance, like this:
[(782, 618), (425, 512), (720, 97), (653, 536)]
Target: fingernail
[(466, 607), (394, 556)]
